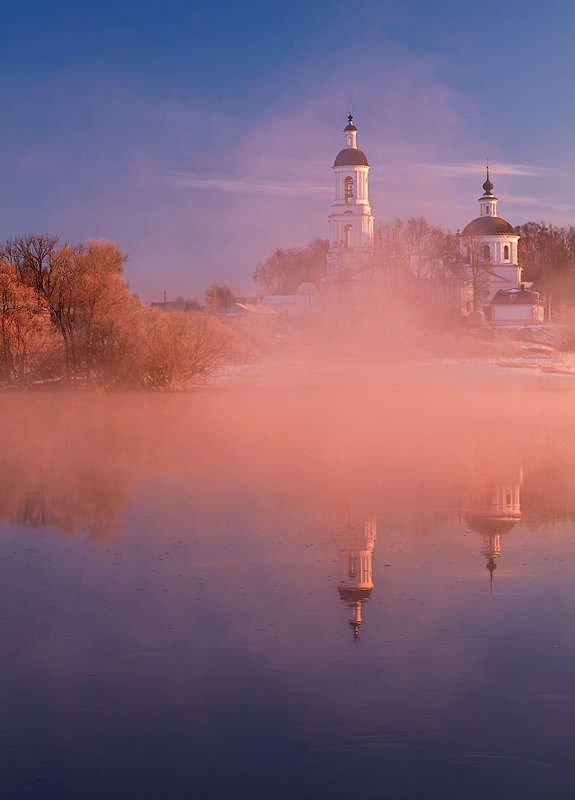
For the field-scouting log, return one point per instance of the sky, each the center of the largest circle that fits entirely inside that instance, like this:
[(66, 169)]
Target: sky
[(200, 137)]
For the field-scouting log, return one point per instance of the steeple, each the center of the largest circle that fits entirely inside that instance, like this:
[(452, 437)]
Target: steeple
[(491, 566), (488, 186), (488, 202), (350, 132), (351, 221)]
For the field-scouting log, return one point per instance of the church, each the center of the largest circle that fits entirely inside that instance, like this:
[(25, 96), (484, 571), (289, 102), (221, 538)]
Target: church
[(349, 278), (351, 220), (488, 269), (490, 258)]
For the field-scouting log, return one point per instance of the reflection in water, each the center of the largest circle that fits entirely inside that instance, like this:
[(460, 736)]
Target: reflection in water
[(200, 634), (355, 541), (495, 505)]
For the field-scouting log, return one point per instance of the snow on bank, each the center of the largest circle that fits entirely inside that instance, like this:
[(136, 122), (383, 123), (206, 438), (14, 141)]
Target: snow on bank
[(525, 373)]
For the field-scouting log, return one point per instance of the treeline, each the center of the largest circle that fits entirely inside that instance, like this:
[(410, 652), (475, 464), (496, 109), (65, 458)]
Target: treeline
[(409, 253), (285, 270), (66, 312), (547, 253)]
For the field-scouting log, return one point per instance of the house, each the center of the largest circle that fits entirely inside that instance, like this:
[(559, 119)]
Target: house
[(515, 307)]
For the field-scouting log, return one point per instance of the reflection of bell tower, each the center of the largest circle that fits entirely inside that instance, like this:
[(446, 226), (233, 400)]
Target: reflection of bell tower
[(495, 509), (355, 547)]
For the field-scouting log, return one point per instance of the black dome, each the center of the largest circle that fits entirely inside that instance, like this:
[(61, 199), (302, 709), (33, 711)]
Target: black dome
[(350, 126), (353, 594), (488, 226), (482, 523), (351, 157)]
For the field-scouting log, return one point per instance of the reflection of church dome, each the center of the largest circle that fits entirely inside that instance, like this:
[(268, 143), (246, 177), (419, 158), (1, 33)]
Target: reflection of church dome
[(490, 525), (354, 595), (495, 504), (351, 157)]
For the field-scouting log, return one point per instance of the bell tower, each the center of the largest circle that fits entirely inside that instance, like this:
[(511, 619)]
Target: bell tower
[(350, 220)]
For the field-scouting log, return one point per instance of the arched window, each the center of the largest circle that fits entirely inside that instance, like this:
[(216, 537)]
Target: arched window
[(486, 252), (348, 182), (506, 253), (347, 236)]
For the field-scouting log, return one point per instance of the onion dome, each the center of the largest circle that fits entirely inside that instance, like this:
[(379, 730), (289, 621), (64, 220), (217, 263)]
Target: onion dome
[(489, 223), (488, 186), (351, 156), (350, 126)]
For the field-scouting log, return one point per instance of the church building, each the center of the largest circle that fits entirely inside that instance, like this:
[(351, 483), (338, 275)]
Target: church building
[(351, 220), (350, 228), (488, 278), (490, 254)]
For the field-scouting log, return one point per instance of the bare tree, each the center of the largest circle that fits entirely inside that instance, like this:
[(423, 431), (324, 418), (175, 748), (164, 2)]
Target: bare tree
[(285, 270), (547, 253), (219, 298), (24, 327), (478, 260), (32, 258), (102, 300), (175, 348), (79, 295)]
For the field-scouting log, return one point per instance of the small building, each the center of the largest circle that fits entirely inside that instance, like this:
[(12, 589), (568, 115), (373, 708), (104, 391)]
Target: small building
[(304, 302), (515, 307)]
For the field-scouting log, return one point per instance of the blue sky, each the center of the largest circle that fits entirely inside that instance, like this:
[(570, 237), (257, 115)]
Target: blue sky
[(201, 137)]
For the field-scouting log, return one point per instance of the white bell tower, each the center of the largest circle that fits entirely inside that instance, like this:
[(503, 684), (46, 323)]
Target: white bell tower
[(350, 221)]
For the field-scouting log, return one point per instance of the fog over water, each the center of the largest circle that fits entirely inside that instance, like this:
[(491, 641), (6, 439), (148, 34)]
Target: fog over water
[(279, 581)]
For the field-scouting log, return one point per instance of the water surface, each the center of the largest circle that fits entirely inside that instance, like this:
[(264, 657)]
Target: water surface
[(349, 583)]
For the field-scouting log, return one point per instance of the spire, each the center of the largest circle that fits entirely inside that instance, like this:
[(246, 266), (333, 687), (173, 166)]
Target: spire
[(350, 126), (355, 620), (488, 186), (488, 201), (350, 132), (491, 566)]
